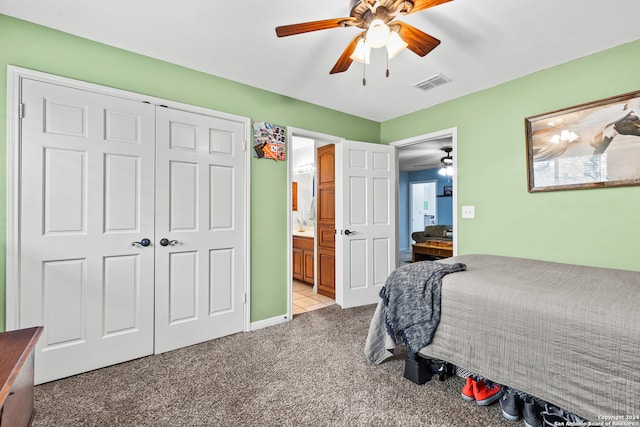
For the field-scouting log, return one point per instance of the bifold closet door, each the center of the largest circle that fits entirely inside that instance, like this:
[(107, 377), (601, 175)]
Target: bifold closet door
[(87, 193), (200, 215)]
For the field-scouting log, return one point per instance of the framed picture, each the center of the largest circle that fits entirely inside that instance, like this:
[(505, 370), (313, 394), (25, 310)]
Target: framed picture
[(592, 145), (448, 190), (269, 141)]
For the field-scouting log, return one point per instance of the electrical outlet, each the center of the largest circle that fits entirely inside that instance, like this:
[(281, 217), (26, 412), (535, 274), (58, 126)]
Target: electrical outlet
[(469, 212)]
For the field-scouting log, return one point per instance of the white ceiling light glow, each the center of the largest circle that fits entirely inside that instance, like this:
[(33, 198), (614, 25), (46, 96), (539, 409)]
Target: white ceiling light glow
[(395, 45), (362, 51), (378, 33)]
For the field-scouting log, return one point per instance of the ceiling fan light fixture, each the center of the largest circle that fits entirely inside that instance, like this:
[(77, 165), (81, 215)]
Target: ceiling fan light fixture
[(378, 33), (362, 51), (446, 171), (395, 45), (447, 163), (376, 18)]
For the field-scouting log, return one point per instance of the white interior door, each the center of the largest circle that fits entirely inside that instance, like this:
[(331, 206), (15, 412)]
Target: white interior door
[(200, 212), (365, 221), (87, 193), (101, 180)]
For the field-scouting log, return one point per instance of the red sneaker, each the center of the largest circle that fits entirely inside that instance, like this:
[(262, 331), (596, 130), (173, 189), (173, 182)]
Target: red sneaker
[(486, 394), (467, 390)]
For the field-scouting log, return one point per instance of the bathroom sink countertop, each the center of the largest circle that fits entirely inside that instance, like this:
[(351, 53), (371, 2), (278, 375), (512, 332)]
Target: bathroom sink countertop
[(306, 233)]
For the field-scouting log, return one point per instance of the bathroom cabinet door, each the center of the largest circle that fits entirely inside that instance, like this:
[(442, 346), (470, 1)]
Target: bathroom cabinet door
[(297, 264), (302, 259), (307, 262)]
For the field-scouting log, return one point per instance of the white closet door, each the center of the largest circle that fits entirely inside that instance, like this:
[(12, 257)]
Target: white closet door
[(87, 193), (200, 212)]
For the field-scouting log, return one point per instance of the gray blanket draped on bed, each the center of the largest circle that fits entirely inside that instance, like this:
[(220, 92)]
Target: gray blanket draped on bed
[(411, 304)]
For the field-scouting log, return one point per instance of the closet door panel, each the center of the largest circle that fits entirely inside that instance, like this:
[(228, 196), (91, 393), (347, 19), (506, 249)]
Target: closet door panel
[(87, 193)]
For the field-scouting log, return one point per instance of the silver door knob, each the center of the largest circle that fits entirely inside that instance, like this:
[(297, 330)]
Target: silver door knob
[(167, 242)]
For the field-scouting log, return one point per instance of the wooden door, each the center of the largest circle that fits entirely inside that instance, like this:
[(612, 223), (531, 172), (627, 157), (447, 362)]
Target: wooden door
[(326, 221)]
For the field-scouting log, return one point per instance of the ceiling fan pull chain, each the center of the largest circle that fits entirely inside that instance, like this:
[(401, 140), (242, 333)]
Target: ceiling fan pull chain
[(364, 74), (387, 63)]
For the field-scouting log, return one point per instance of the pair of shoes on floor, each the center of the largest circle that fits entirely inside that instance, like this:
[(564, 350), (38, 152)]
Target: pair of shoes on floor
[(554, 416), (482, 392), (513, 407)]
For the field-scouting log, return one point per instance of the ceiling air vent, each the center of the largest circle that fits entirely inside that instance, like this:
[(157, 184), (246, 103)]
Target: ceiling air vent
[(431, 82)]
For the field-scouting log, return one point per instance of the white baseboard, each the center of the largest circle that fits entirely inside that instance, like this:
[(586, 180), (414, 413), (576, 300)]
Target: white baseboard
[(268, 322)]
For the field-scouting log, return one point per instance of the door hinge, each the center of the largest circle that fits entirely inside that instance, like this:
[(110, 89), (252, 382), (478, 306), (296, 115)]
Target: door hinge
[(244, 298), (20, 111)]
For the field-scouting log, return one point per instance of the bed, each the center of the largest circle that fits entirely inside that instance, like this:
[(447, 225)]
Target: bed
[(567, 334)]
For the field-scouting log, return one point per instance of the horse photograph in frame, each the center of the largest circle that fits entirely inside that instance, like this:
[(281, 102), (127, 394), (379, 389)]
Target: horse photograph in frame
[(592, 145)]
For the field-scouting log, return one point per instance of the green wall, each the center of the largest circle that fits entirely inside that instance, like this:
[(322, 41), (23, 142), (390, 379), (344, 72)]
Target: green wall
[(591, 227), (35, 47), (598, 227)]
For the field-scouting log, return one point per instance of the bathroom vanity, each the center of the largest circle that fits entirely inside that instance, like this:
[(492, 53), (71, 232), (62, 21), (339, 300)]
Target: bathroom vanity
[(302, 259)]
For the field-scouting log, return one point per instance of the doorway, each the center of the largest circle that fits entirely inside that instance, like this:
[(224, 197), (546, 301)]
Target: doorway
[(130, 229), (305, 223), (365, 218), (419, 159), (423, 204)]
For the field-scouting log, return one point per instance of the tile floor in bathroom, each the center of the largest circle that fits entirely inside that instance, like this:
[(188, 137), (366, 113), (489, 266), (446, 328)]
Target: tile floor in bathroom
[(305, 299)]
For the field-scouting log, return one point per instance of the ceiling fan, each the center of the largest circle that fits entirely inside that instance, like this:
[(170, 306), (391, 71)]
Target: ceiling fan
[(375, 18), (446, 162)]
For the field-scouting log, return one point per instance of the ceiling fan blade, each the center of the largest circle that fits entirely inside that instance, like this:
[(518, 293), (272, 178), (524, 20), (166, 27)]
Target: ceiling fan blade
[(306, 27), (419, 5), (417, 41), (345, 59)]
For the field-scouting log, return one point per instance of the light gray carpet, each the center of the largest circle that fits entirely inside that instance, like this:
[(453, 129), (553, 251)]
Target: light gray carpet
[(308, 372)]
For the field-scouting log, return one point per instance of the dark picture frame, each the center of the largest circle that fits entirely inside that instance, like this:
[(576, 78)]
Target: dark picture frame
[(447, 190), (592, 145)]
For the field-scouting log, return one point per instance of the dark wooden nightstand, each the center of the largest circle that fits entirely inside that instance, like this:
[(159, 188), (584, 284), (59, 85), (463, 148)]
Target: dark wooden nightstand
[(16, 376)]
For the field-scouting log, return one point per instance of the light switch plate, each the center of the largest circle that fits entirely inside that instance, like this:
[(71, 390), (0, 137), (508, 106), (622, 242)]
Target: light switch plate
[(469, 212)]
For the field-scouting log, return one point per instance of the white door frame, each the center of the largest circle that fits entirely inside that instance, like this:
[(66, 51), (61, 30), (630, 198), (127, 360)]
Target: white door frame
[(453, 133), (317, 137), (14, 76)]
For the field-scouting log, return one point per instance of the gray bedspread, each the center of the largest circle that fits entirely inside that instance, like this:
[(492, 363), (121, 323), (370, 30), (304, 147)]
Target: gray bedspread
[(567, 334)]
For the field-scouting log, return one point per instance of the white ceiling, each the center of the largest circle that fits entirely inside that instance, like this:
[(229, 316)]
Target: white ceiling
[(423, 154), (484, 43)]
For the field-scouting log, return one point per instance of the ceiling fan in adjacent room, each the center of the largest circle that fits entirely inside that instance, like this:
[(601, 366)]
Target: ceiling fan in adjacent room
[(376, 18), (446, 162)]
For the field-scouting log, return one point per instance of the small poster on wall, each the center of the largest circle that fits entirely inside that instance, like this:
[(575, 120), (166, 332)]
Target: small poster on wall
[(269, 141)]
